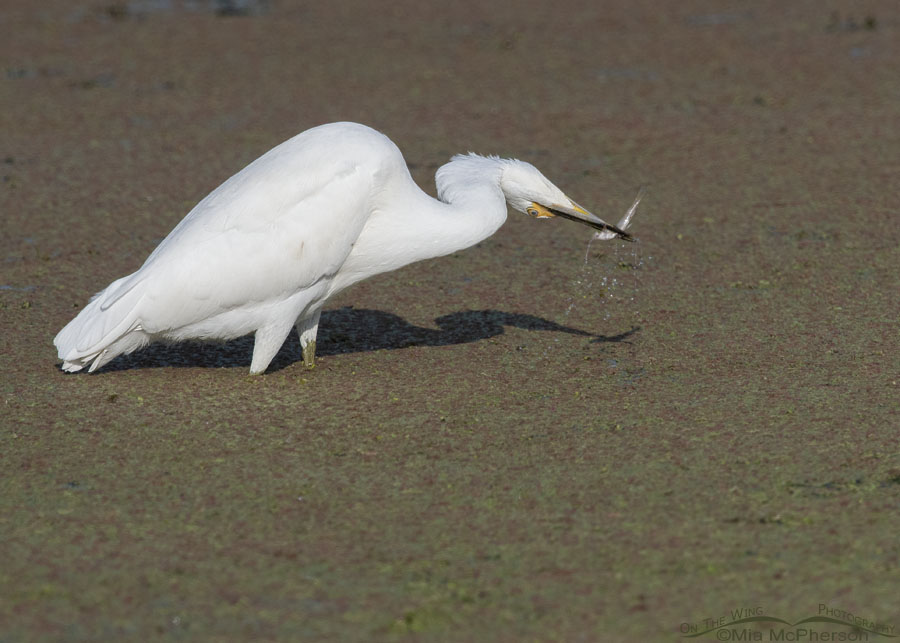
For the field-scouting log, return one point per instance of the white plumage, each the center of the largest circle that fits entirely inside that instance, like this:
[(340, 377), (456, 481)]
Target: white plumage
[(266, 249)]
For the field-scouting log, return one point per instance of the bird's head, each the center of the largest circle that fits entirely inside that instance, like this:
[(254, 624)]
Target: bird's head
[(530, 192)]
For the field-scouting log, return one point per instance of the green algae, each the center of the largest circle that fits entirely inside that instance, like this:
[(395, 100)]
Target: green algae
[(722, 432)]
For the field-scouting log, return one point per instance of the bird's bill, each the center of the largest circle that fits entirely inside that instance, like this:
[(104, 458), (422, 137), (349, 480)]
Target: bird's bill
[(577, 213)]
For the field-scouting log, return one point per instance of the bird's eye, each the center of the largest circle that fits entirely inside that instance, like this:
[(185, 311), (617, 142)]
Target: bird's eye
[(532, 212)]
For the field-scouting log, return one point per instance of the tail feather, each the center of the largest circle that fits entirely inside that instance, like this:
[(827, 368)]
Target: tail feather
[(102, 330)]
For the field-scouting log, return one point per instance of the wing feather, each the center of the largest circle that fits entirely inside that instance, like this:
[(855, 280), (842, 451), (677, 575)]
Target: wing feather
[(259, 254)]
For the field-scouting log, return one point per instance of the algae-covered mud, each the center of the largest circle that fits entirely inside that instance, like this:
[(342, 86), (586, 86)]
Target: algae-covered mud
[(539, 438)]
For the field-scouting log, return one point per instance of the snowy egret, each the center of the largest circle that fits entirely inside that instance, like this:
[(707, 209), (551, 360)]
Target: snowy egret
[(265, 250)]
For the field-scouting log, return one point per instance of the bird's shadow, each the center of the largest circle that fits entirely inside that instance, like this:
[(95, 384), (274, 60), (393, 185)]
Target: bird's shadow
[(351, 330)]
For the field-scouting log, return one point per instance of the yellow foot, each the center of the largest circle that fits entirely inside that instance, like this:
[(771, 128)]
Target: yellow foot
[(309, 355)]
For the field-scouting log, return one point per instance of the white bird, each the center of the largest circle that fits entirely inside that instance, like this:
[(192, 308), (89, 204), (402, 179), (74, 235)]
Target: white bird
[(266, 249)]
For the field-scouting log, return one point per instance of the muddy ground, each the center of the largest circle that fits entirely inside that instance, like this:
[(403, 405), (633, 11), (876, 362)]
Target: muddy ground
[(527, 440)]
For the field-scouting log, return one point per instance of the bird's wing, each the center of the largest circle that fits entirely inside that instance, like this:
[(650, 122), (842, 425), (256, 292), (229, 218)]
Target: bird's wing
[(259, 237)]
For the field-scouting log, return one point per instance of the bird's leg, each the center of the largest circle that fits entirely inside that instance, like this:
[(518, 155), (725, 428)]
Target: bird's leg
[(309, 354), (307, 329), (266, 343)]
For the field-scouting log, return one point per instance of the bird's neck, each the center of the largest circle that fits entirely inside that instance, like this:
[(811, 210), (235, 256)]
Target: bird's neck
[(470, 207), (470, 203), (410, 226)]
